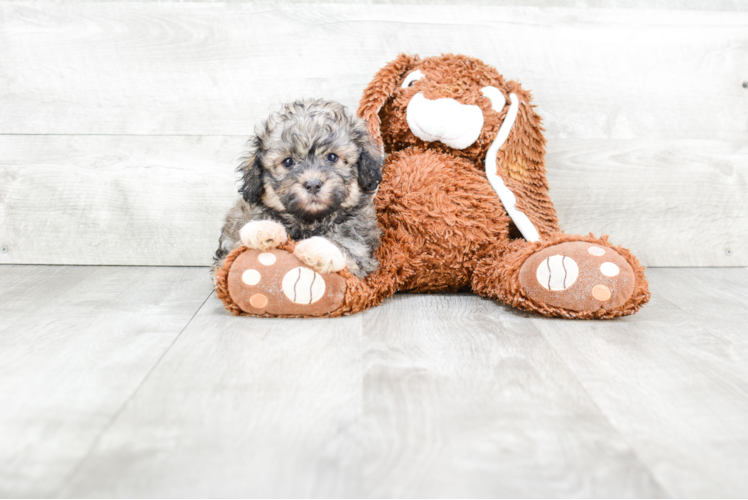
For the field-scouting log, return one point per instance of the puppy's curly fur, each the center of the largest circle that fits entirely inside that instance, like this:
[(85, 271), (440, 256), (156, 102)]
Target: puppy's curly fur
[(311, 173)]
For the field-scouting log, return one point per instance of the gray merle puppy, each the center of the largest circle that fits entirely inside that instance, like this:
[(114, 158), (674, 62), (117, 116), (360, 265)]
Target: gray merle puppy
[(311, 175)]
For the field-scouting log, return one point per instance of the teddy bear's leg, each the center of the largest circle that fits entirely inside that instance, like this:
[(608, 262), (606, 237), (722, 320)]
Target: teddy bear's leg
[(275, 283), (564, 276)]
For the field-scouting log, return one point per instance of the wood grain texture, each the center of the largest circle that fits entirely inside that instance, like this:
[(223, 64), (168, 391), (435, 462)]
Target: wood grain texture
[(673, 379), (240, 407), (206, 68), (425, 396), (414, 407), (115, 200), (673, 203), (465, 398), (75, 344), (129, 200), (720, 5)]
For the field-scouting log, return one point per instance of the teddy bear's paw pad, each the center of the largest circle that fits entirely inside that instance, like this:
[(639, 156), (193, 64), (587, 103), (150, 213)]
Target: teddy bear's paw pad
[(277, 283), (578, 276)]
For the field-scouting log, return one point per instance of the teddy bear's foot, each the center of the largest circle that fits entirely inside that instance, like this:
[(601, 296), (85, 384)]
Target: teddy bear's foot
[(564, 276), (275, 283), (578, 276)]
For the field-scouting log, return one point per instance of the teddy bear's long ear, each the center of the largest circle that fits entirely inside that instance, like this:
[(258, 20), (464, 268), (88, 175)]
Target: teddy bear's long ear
[(380, 89), (520, 162)]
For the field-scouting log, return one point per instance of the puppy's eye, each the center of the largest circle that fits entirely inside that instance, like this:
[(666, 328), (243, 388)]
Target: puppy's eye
[(332, 157), (412, 78), (288, 163)]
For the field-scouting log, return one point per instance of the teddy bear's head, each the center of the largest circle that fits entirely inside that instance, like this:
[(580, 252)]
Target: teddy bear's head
[(456, 104)]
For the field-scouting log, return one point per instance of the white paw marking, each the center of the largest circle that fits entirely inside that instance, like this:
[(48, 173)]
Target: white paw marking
[(609, 269), (251, 277), (266, 259), (263, 234), (320, 254), (557, 272), (303, 286), (596, 251)]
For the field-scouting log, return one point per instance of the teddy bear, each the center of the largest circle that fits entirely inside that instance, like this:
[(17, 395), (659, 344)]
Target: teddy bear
[(463, 204)]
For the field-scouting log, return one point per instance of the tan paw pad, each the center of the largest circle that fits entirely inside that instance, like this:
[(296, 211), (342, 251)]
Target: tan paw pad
[(258, 300), (276, 282), (578, 276), (601, 292)]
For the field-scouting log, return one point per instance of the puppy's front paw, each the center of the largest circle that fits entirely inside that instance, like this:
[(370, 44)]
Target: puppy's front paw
[(320, 254), (263, 234)]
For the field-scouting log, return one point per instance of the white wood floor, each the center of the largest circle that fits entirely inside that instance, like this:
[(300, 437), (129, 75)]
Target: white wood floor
[(134, 382)]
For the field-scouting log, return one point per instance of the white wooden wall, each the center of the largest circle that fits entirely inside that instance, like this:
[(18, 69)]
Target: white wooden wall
[(121, 123)]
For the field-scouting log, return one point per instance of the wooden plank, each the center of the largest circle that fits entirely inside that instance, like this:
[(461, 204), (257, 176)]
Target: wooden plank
[(674, 203), (75, 344), (718, 5), (115, 199), (716, 297), (161, 200), (458, 398), (465, 398), (673, 379), (239, 407), (217, 68), (426, 395)]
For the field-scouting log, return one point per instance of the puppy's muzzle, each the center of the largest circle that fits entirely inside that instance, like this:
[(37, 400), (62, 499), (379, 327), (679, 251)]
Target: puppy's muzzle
[(315, 193), (445, 120)]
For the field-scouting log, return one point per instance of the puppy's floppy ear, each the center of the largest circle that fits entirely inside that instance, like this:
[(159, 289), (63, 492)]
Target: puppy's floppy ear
[(370, 159), (370, 169), (380, 89), (251, 170)]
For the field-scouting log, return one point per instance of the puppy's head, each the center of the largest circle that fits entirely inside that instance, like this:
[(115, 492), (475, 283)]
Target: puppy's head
[(311, 159)]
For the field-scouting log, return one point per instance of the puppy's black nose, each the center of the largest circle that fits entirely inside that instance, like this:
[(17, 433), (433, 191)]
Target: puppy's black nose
[(313, 185)]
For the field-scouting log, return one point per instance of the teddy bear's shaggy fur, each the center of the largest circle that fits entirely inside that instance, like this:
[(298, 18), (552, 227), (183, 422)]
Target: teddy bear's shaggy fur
[(444, 226)]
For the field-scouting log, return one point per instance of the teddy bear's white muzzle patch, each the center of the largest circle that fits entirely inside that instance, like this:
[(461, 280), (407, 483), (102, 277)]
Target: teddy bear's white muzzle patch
[(445, 120)]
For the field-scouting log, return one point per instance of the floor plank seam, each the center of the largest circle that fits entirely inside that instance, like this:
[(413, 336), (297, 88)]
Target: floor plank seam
[(68, 479), (607, 419), (661, 297)]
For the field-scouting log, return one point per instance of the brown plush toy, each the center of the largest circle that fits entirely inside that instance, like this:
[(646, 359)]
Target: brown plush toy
[(463, 203)]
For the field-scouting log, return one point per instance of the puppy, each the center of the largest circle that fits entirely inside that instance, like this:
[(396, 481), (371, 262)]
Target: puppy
[(311, 175)]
